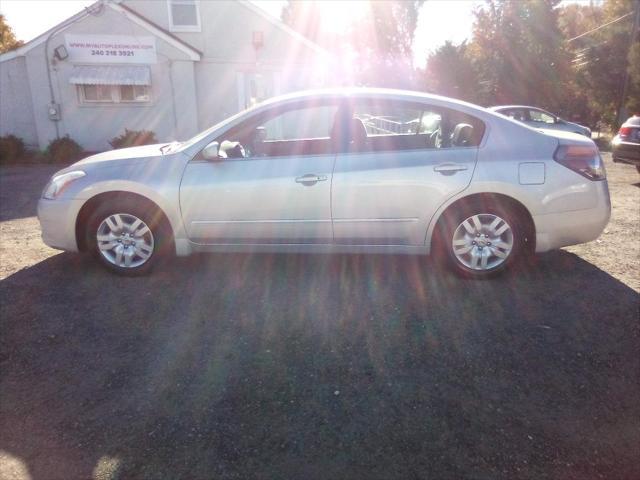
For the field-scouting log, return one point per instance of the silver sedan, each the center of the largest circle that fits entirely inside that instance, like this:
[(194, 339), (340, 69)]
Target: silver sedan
[(358, 170), (541, 119)]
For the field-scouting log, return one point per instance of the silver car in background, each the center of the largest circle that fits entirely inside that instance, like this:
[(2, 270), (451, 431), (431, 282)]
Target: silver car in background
[(626, 144), (538, 118), (358, 170)]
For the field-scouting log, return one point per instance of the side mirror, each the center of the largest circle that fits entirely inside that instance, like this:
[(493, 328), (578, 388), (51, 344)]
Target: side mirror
[(211, 151)]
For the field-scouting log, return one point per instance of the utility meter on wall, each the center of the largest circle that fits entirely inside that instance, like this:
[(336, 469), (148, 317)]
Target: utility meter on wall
[(53, 110)]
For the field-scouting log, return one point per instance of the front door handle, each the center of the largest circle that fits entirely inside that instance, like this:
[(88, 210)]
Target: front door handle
[(311, 179), (449, 168)]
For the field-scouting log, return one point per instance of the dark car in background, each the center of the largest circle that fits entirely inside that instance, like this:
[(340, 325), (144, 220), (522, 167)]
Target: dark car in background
[(626, 144)]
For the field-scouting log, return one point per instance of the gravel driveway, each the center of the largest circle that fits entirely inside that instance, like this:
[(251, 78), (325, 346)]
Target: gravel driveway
[(316, 367)]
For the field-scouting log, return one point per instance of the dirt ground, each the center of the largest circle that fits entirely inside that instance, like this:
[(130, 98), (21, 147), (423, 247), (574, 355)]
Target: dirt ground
[(275, 366)]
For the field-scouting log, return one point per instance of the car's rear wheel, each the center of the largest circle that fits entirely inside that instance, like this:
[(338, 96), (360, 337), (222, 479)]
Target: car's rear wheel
[(125, 237), (481, 242)]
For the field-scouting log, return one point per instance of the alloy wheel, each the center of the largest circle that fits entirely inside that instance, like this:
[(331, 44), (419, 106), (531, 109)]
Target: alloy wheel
[(482, 242), (124, 240)]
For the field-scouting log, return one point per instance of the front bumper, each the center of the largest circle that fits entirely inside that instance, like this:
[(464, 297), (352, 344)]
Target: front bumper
[(555, 230), (58, 223)]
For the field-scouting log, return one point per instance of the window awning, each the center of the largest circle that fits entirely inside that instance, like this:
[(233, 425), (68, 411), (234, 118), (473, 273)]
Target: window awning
[(110, 75)]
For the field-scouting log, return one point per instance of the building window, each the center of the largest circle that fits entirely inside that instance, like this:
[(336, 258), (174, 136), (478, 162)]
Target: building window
[(97, 93), (114, 93), (134, 93), (184, 15)]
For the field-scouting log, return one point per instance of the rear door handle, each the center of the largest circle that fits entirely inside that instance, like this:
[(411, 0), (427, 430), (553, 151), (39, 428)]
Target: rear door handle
[(449, 168), (311, 179)]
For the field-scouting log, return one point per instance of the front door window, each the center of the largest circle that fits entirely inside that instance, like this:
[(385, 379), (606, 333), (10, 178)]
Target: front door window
[(297, 131)]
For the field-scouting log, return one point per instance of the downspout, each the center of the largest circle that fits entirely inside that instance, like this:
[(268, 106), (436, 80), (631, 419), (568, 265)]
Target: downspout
[(60, 27), (173, 100)]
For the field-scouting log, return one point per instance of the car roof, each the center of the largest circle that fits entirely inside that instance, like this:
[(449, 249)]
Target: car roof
[(383, 93), (633, 121), (504, 107)]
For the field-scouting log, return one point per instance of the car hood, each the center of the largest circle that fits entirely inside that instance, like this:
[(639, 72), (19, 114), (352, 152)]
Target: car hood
[(144, 151)]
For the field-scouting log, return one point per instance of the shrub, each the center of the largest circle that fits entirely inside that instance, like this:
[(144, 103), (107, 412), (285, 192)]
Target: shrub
[(11, 148), (133, 138), (63, 150), (35, 157)]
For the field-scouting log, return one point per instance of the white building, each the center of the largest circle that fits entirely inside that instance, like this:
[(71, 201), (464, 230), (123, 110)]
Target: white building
[(171, 66)]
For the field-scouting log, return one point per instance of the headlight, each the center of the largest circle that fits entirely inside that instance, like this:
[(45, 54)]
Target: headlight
[(59, 184)]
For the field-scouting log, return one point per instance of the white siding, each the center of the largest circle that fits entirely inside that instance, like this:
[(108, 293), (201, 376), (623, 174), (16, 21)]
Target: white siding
[(187, 96), (16, 108), (92, 126)]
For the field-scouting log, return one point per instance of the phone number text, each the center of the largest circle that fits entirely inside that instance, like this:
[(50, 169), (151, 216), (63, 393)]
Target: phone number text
[(113, 53)]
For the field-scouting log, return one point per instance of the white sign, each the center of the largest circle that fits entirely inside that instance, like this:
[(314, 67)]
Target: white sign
[(110, 49)]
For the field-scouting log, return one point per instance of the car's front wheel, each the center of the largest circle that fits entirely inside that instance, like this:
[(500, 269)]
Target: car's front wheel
[(481, 242), (125, 237)]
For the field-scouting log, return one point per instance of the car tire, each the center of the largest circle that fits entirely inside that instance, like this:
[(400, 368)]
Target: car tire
[(128, 238), (480, 241)]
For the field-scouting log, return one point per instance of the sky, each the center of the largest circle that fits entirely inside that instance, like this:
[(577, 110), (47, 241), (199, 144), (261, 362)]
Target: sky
[(439, 21)]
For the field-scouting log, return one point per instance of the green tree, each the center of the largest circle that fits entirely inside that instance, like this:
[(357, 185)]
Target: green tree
[(8, 40), (450, 71), (633, 98), (519, 53), (601, 57), (575, 19)]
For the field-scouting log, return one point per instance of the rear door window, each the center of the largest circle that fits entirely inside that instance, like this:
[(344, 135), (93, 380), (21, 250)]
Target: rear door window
[(386, 125)]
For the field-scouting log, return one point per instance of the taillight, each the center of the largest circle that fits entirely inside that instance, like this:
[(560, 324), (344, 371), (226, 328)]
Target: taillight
[(624, 131), (582, 159)]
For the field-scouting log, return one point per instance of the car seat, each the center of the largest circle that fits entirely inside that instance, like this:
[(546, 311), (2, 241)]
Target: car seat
[(462, 135)]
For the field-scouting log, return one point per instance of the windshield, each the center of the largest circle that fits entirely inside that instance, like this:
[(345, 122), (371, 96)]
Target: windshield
[(202, 135)]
